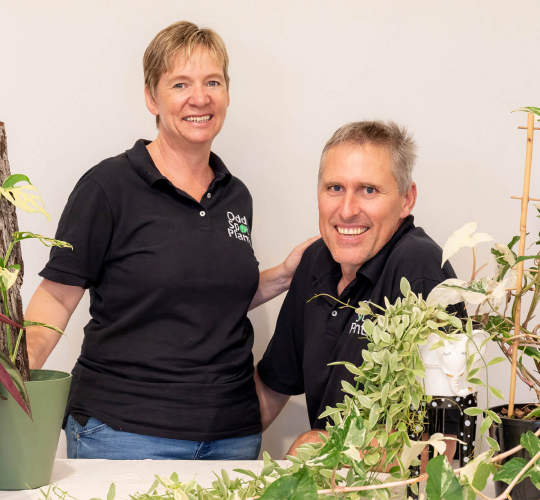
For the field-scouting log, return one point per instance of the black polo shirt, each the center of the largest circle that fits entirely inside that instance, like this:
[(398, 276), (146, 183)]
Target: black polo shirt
[(310, 335), (167, 352)]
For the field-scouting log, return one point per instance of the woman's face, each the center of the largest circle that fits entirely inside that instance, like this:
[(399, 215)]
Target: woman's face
[(191, 100)]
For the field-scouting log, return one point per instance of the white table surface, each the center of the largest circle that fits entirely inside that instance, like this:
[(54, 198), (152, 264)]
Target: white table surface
[(85, 479)]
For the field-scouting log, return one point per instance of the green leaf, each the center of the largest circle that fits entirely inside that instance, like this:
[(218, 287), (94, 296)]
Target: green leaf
[(472, 373), (529, 109), (297, 486), (477, 381), (496, 392), (534, 413), (473, 411), (492, 443), (486, 424), (482, 474), (384, 393), (374, 416), (347, 387), (531, 443), (494, 416), (14, 179), (494, 361), (48, 242), (11, 379), (526, 257), (363, 309), (405, 287), (112, 492), (442, 483), (36, 323), (246, 472), (511, 469)]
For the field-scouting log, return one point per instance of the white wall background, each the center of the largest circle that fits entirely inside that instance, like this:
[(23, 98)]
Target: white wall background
[(71, 94)]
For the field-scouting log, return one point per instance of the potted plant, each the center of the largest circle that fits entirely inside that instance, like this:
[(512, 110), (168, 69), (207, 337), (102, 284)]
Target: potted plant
[(33, 401), (497, 300)]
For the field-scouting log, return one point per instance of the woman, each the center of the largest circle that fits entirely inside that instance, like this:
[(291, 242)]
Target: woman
[(162, 238)]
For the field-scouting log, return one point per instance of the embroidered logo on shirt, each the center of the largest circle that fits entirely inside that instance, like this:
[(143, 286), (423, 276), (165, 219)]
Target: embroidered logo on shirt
[(238, 227), (357, 327)]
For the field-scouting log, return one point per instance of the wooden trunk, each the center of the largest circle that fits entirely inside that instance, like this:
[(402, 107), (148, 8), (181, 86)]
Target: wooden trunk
[(8, 225)]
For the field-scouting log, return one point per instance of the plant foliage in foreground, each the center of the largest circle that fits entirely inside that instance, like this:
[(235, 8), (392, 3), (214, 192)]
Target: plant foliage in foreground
[(378, 426)]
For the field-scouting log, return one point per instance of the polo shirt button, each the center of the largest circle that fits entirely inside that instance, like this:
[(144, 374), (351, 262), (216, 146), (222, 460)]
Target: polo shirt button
[(202, 213), (334, 313), (209, 195)]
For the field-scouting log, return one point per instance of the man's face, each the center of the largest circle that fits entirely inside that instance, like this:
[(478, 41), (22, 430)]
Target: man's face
[(360, 207)]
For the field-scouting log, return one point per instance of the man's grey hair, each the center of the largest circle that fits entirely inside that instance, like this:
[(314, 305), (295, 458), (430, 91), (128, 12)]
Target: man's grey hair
[(389, 135)]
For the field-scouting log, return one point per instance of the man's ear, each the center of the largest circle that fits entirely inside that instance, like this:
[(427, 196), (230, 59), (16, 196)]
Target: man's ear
[(149, 100), (409, 201)]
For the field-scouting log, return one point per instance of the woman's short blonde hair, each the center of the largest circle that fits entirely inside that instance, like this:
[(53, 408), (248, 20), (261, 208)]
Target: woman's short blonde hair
[(180, 38)]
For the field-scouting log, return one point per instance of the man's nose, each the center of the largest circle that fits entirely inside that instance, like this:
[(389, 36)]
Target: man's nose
[(199, 96), (350, 207)]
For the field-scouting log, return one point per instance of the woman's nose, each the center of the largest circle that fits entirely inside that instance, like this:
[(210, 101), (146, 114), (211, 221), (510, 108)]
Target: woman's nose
[(199, 96)]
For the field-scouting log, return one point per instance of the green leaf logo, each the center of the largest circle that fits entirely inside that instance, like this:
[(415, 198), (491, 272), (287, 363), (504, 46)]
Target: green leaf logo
[(243, 229)]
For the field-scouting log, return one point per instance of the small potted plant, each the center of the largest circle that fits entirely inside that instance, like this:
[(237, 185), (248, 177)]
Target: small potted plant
[(31, 411)]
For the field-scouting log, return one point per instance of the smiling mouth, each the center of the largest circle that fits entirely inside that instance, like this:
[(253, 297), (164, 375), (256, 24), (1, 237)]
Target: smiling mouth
[(351, 231), (198, 119)]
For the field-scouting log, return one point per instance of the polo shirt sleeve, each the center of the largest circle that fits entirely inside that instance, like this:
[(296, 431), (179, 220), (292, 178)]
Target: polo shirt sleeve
[(281, 367), (87, 224)]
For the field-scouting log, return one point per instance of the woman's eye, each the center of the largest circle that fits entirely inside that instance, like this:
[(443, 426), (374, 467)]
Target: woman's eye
[(179, 85), (213, 83)]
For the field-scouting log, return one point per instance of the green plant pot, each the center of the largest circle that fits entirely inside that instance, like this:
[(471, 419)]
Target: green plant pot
[(28, 448)]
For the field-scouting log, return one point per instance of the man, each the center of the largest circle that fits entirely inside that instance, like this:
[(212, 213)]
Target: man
[(369, 242)]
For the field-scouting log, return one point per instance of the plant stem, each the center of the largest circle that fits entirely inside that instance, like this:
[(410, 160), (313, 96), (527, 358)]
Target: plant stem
[(8, 330), (8, 253)]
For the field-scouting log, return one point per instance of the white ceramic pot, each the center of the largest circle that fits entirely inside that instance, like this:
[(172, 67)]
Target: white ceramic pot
[(445, 365)]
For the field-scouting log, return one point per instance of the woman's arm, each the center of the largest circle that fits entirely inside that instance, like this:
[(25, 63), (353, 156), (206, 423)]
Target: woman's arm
[(275, 281), (52, 303), (271, 402)]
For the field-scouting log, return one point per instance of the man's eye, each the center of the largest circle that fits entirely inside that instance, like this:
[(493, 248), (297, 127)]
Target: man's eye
[(370, 190), (336, 189), (179, 85)]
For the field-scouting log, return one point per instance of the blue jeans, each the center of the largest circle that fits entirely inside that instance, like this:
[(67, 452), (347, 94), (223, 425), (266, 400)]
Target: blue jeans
[(98, 440)]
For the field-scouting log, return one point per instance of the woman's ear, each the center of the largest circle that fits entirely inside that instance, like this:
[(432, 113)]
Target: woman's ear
[(149, 100)]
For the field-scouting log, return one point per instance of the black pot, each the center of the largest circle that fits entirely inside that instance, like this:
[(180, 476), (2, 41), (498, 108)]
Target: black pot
[(508, 435)]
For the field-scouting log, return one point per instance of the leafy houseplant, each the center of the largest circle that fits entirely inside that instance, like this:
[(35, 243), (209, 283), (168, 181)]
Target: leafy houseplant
[(28, 442), (378, 426)]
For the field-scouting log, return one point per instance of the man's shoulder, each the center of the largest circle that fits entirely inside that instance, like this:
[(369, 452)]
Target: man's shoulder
[(314, 263), (418, 256)]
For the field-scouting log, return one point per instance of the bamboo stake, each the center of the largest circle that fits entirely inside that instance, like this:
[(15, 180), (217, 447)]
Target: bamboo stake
[(519, 283), (520, 197)]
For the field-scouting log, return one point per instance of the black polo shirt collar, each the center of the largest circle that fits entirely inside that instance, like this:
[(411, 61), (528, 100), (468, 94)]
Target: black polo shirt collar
[(144, 165)]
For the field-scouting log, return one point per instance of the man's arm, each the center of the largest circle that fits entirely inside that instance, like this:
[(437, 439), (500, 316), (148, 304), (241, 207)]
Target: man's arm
[(275, 281), (271, 402), (52, 303), (311, 436)]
